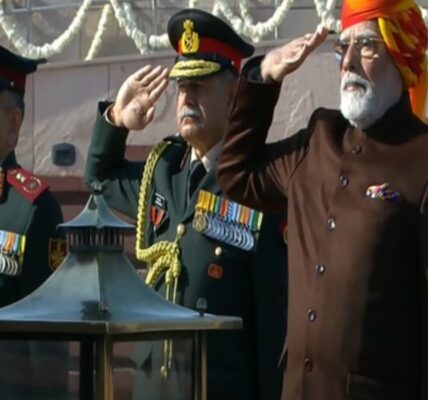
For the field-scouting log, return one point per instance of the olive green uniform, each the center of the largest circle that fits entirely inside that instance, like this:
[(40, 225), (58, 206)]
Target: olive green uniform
[(28, 370), (241, 364)]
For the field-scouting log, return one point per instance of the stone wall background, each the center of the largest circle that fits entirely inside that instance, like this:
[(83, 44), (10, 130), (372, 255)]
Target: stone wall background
[(62, 96)]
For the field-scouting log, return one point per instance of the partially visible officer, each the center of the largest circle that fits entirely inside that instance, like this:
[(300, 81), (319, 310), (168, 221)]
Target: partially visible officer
[(242, 281), (356, 185), (30, 247)]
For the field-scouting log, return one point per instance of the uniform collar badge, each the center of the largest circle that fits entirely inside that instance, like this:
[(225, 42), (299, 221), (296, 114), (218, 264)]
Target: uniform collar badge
[(159, 201), (158, 210), (28, 185)]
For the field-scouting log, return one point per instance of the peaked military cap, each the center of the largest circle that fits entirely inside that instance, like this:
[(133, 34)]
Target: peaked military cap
[(205, 44), (14, 70)]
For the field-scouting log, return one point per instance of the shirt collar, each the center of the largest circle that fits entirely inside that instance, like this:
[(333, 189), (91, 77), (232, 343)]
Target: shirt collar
[(209, 159), (397, 125)]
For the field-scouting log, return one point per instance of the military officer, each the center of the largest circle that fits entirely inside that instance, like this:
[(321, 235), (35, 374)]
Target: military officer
[(356, 185), (30, 247), (208, 254)]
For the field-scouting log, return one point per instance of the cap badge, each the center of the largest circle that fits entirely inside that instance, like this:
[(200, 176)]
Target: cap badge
[(190, 38)]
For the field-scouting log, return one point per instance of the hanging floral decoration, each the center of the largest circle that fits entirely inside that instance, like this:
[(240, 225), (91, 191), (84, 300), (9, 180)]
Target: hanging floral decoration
[(238, 16)]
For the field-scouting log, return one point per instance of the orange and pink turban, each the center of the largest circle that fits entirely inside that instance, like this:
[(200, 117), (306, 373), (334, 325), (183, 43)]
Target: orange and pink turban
[(405, 35)]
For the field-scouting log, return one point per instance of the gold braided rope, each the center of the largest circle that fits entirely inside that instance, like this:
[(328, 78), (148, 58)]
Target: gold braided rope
[(193, 68), (163, 256)]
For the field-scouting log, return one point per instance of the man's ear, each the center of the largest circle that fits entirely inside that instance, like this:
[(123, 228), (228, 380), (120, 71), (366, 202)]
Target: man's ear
[(233, 86), (16, 118)]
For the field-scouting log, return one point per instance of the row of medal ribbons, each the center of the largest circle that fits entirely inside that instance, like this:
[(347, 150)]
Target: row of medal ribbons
[(227, 221), (12, 246)]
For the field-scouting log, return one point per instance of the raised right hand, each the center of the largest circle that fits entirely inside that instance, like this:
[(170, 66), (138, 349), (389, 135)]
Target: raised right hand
[(283, 60), (135, 103)]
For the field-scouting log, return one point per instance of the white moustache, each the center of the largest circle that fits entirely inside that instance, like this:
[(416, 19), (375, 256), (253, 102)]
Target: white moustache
[(189, 112), (354, 79)]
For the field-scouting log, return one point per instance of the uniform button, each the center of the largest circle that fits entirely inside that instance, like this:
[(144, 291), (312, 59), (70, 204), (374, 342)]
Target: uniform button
[(344, 181), (312, 315), (356, 149), (320, 268), (331, 224), (309, 364), (215, 271), (181, 229), (218, 251)]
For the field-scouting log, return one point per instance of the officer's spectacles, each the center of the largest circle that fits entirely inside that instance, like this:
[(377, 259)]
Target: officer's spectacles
[(366, 47)]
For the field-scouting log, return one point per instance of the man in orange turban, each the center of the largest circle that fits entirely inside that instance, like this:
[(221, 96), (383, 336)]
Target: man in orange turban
[(405, 35), (354, 183)]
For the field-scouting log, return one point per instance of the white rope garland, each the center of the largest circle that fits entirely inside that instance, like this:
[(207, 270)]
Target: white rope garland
[(325, 13), (245, 13), (127, 21), (241, 20), (98, 37), (15, 35)]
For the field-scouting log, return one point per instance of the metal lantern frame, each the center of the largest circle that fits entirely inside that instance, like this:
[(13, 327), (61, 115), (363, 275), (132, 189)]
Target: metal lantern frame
[(97, 299)]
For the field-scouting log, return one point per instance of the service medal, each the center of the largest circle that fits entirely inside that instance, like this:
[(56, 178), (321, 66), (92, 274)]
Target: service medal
[(200, 222)]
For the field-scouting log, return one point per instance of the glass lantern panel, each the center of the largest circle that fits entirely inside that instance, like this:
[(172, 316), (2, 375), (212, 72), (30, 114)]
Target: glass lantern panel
[(139, 370), (34, 370)]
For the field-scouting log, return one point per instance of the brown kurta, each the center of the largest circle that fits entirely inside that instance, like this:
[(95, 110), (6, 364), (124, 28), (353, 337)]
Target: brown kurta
[(357, 275)]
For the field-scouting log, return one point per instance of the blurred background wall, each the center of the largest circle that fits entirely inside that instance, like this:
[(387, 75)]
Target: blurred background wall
[(62, 96)]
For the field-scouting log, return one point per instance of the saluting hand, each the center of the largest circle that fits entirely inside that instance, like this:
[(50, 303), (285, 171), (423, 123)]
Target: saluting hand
[(283, 60), (135, 103)]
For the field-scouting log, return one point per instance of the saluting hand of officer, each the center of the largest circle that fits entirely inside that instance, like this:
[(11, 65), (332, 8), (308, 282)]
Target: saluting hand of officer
[(283, 60), (135, 103)]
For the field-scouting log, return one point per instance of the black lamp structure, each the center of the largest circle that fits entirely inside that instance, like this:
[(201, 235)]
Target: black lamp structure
[(97, 299)]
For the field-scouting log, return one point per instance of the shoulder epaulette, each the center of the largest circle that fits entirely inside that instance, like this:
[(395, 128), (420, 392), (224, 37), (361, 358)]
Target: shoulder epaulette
[(27, 184)]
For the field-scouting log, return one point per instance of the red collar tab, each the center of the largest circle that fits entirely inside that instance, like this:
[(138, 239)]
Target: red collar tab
[(213, 46), (28, 185), (14, 77)]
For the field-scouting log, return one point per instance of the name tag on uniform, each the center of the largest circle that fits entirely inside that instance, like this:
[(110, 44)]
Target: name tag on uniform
[(227, 221)]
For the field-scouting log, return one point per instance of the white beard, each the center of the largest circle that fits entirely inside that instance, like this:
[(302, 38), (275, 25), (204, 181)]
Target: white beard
[(363, 107)]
